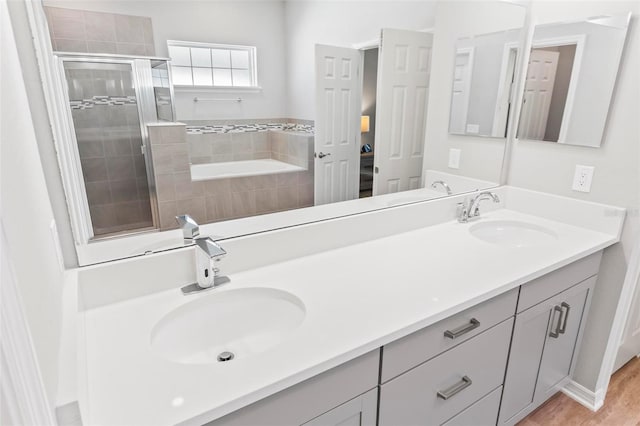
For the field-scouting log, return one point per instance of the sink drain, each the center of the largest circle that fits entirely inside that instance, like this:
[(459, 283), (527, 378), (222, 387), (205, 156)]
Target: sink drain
[(225, 356)]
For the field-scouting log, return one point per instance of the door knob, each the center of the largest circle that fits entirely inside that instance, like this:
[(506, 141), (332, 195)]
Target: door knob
[(322, 154)]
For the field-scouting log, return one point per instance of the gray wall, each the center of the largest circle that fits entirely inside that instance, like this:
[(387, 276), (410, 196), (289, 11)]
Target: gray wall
[(549, 167)]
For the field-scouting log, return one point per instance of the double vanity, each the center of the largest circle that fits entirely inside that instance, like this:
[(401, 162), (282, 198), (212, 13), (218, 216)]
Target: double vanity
[(425, 320)]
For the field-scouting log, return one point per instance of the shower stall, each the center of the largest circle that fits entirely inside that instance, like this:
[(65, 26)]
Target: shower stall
[(110, 102)]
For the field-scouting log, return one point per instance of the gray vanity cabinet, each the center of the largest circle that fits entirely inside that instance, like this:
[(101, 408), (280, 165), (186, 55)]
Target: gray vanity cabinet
[(544, 342)]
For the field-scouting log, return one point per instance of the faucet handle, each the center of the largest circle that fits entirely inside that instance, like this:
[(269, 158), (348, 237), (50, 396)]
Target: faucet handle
[(189, 226), (210, 248), (462, 212)]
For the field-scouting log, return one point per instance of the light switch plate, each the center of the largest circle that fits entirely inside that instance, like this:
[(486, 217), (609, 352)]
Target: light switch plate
[(454, 158), (582, 178)]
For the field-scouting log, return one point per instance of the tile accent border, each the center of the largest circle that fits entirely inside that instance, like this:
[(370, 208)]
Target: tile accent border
[(246, 128)]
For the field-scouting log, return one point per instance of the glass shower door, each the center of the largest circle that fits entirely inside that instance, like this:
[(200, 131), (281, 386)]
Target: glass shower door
[(107, 125)]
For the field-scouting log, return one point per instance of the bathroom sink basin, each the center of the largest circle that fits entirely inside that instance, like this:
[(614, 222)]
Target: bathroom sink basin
[(243, 322), (511, 233)]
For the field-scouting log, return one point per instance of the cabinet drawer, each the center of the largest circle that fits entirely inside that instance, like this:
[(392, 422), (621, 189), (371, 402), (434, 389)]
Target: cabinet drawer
[(558, 281), (443, 387), (482, 413), (418, 347)]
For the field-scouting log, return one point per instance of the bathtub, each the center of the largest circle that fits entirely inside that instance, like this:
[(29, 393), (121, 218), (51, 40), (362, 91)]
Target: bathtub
[(233, 169)]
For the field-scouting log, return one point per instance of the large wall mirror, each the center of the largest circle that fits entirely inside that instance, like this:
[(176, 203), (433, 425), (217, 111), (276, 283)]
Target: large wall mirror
[(570, 80), (290, 112)]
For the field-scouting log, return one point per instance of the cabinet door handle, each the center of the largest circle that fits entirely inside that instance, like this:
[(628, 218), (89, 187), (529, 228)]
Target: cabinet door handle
[(453, 390), (566, 317), (556, 333), (457, 332)]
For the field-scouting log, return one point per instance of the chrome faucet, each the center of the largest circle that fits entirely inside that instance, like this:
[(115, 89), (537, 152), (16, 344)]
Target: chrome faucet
[(190, 229), (208, 253), (447, 188), (472, 209)]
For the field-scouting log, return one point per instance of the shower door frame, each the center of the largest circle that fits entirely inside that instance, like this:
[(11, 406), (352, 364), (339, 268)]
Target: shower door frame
[(145, 103)]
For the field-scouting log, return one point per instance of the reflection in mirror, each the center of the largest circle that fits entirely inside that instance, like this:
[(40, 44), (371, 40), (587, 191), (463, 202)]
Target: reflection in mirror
[(483, 76), (570, 78), (162, 90), (267, 109)]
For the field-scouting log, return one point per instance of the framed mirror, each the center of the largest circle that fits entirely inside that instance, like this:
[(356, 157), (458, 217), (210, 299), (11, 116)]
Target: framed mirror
[(570, 80), (483, 78), (276, 114)]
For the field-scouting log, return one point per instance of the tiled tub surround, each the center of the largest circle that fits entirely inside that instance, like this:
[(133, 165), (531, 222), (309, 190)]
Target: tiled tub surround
[(75, 30), (214, 200), (291, 147), (109, 141)]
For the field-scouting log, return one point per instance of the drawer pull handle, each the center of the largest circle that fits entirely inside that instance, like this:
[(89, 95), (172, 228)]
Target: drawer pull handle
[(452, 334), (556, 333), (566, 317), (455, 389)]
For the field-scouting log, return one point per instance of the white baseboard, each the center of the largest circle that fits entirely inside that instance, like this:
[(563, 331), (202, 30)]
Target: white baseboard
[(591, 400)]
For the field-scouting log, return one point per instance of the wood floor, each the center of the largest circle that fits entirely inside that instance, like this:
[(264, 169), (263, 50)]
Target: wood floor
[(621, 407)]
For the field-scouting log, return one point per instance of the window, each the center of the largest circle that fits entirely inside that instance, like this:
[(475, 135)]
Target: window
[(212, 65)]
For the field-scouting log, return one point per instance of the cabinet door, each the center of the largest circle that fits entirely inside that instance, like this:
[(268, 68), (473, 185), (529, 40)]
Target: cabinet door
[(527, 345), (360, 411), (545, 339), (562, 338)]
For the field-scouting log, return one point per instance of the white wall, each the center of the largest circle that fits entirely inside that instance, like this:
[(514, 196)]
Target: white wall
[(549, 167), (339, 23), (254, 23), (481, 158), (27, 214)]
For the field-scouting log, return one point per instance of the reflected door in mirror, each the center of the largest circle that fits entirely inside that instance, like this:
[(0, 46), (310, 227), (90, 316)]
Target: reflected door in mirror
[(337, 138), (538, 91), (403, 92)]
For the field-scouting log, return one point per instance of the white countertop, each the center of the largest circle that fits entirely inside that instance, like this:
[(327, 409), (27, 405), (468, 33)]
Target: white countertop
[(357, 298)]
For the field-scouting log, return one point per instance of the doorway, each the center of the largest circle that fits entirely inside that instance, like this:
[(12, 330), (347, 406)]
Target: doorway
[(368, 120)]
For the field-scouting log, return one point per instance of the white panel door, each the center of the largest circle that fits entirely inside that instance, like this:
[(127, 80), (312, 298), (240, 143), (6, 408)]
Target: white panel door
[(630, 344), (461, 89), (404, 68), (337, 138), (541, 75)]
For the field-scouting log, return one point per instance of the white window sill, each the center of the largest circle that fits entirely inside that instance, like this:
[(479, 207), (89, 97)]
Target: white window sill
[(220, 89)]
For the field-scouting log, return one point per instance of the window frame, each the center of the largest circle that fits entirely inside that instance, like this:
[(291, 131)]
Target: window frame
[(253, 65)]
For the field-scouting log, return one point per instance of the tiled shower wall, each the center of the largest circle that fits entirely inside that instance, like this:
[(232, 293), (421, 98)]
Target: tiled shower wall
[(74, 30), (287, 146), (222, 199), (109, 141)]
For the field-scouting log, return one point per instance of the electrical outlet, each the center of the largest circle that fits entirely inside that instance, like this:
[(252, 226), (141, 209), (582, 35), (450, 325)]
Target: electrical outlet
[(583, 178), (454, 158), (473, 129)]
